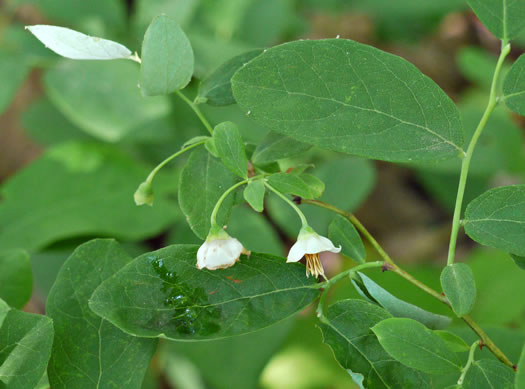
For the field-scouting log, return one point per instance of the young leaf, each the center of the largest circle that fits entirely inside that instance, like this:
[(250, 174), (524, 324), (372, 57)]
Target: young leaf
[(415, 346), (167, 296), (229, 145), (459, 287), (497, 219), (488, 374), (454, 342), (75, 45), (347, 332), (216, 89), (167, 58), (302, 185), (254, 195), (16, 279), (275, 146), (84, 342), (25, 347), (351, 98), (203, 180), (398, 308), (343, 233), (519, 382), (315, 185), (115, 105), (504, 18), (514, 86)]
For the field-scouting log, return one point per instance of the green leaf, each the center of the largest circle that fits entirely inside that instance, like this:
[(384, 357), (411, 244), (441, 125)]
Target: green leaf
[(398, 308), (230, 147), (99, 353), (343, 233), (519, 261), (487, 374), (16, 279), (349, 97), (415, 346), (13, 72), (347, 332), (459, 287), (315, 185), (454, 342), (519, 382), (504, 18), (254, 195), (216, 89), (88, 189), (167, 296), (275, 146), (302, 185), (497, 219), (75, 45), (115, 104), (167, 58), (514, 86), (25, 347), (202, 182)]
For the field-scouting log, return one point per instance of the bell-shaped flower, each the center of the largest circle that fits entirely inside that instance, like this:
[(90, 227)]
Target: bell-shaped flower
[(219, 251), (144, 194), (309, 245)]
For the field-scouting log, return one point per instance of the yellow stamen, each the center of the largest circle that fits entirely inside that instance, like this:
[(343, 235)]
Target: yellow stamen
[(313, 265)]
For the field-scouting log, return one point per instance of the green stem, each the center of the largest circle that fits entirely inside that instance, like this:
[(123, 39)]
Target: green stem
[(290, 203), (196, 109), (213, 218), (396, 269), (465, 165), (169, 159), (469, 362), (328, 284)]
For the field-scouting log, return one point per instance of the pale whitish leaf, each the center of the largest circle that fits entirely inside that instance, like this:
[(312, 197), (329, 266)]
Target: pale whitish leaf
[(216, 88), (254, 195), (347, 332), (230, 147), (16, 279), (520, 375), (398, 308), (349, 97), (202, 182), (343, 233), (167, 296), (167, 58), (514, 86), (98, 352), (275, 146), (504, 18), (459, 287), (488, 374), (75, 45), (414, 345), (25, 347), (497, 219)]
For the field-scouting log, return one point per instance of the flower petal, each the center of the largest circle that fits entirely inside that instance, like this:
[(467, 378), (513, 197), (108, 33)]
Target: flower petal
[(296, 252), (219, 253)]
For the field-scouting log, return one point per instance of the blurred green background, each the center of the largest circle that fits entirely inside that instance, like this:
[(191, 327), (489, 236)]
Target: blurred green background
[(76, 138)]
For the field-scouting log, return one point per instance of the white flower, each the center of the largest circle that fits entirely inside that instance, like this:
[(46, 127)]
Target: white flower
[(220, 251), (309, 244)]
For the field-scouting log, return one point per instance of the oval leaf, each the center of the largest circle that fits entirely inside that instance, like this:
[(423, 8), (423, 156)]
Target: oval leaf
[(83, 341), (302, 185), (504, 18), (16, 278), (216, 89), (398, 308), (229, 146), (514, 86), (254, 195), (415, 346), (497, 219), (75, 45), (349, 97), (167, 58), (167, 296), (203, 180), (343, 233), (454, 342), (459, 287), (488, 374), (347, 332), (275, 147)]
